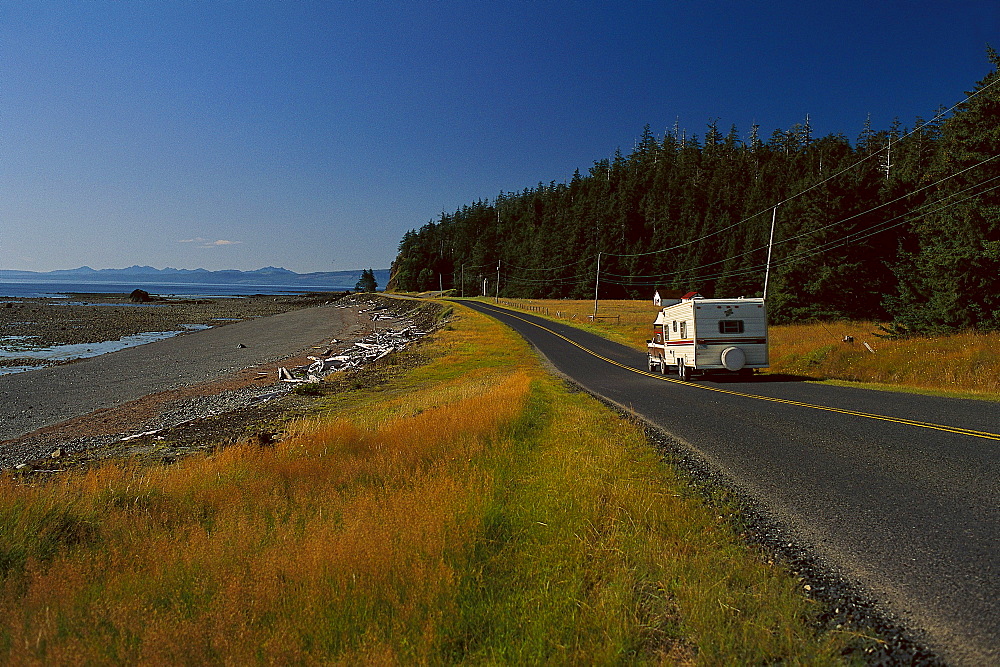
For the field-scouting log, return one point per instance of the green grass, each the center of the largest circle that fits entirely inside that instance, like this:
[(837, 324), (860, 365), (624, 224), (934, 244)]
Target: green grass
[(470, 509), (590, 536)]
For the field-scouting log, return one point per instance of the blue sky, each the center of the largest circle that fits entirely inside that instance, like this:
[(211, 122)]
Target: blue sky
[(312, 135)]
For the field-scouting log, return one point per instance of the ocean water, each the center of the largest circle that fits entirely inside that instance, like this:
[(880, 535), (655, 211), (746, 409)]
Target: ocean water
[(14, 347), (13, 289), (20, 347)]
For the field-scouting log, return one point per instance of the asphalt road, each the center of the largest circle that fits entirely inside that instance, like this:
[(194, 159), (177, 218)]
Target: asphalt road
[(908, 511), (47, 396)]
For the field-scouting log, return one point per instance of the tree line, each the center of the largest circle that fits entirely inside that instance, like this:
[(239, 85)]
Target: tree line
[(903, 224)]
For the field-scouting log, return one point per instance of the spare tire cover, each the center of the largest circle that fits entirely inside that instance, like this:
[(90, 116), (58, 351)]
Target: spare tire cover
[(733, 358)]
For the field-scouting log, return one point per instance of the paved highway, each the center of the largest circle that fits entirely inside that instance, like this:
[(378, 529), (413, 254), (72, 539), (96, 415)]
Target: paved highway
[(898, 492)]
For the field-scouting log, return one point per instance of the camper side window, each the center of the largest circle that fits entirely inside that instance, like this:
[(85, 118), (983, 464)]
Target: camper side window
[(675, 326), (684, 329), (730, 326)]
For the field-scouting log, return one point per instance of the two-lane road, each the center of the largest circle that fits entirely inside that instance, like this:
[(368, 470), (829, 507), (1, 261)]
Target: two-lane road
[(899, 492)]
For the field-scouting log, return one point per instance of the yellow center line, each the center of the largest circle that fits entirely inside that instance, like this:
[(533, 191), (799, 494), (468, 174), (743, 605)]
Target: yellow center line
[(896, 420)]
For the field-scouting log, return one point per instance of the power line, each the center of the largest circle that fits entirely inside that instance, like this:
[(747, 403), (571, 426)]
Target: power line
[(883, 226), (805, 254), (814, 185), (551, 268), (838, 222)]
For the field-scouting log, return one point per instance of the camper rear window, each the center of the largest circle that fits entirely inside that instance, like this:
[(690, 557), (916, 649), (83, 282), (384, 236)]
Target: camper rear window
[(730, 326)]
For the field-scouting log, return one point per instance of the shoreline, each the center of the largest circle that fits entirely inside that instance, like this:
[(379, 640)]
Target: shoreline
[(211, 411), (35, 332)]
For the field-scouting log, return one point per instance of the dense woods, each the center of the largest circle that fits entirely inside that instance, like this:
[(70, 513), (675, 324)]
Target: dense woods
[(902, 224)]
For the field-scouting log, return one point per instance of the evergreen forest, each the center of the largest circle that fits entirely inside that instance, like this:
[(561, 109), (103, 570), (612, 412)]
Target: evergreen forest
[(902, 225)]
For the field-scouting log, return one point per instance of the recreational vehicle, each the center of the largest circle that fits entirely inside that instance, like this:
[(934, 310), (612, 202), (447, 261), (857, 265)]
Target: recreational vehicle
[(698, 336)]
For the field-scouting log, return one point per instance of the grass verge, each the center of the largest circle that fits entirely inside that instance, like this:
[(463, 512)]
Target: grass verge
[(471, 509), (964, 365)]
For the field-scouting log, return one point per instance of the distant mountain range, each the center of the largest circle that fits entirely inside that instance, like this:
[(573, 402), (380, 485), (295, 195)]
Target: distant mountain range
[(269, 275)]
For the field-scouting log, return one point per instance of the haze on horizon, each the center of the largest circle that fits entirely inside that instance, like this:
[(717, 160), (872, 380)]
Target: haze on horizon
[(312, 135)]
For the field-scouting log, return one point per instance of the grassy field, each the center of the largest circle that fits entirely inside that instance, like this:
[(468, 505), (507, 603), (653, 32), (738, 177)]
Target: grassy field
[(470, 509), (966, 364)]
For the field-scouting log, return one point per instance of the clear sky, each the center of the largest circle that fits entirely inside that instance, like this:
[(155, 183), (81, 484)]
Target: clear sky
[(312, 135)]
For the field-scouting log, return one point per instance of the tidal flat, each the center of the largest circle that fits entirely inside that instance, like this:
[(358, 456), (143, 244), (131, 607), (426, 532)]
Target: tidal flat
[(43, 331)]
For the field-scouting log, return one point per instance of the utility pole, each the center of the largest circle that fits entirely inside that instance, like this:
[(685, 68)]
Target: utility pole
[(597, 283), (498, 281), (463, 280), (770, 246)]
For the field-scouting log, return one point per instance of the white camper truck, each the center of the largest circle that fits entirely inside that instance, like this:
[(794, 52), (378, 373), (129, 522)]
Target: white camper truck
[(701, 335)]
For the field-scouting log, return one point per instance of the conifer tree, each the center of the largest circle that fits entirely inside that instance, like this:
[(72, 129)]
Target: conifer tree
[(949, 277), (679, 213), (367, 282)]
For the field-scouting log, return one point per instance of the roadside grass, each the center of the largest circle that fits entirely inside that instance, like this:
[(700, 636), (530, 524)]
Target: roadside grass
[(470, 509), (965, 365)]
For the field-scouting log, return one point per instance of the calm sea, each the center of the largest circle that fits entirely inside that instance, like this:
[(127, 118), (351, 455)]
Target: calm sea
[(26, 289)]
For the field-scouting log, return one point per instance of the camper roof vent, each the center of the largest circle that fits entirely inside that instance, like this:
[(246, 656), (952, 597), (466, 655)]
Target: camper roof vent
[(692, 295)]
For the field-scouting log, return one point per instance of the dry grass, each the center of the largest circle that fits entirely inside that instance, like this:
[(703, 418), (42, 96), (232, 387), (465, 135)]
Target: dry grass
[(628, 322), (339, 541), (472, 510), (964, 364)]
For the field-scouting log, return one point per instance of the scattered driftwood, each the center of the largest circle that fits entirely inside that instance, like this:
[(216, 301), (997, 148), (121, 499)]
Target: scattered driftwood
[(139, 435), (369, 349)]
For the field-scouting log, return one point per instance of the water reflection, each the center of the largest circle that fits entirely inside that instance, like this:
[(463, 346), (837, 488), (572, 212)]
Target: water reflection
[(20, 347)]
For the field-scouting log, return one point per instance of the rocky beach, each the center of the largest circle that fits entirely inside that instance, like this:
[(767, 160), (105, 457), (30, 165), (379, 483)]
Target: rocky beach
[(186, 393), (31, 325)]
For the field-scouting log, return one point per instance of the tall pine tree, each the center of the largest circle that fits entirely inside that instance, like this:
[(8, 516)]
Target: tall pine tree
[(949, 275)]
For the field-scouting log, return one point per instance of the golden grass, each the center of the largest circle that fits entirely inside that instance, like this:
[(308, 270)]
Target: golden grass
[(961, 364), (471, 510), (626, 321), (332, 542), (965, 362)]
